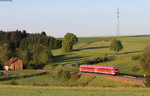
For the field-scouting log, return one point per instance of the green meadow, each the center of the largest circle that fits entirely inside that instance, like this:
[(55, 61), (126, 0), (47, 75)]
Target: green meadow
[(47, 83), (92, 47)]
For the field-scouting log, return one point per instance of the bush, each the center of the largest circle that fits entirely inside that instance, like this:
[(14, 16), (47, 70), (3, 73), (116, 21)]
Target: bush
[(66, 75), (135, 57)]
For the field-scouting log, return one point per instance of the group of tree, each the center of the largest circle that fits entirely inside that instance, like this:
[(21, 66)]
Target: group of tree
[(33, 49), (12, 38), (34, 39), (36, 56), (145, 62)]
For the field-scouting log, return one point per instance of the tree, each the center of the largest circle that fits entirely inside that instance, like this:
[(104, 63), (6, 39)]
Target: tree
[(26, 56), (145, 62), (43, 33), (116, 45), (5, 53), (69, 40), (41, 56), (145, 59)]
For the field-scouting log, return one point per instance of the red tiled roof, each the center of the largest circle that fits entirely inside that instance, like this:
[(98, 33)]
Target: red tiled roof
[(10, 61)]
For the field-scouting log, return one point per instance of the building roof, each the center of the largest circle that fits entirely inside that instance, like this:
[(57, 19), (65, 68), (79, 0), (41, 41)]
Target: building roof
[(11, 61)]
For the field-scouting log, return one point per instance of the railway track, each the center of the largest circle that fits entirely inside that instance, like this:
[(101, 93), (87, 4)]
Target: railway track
[(127, 79), (120, 78)]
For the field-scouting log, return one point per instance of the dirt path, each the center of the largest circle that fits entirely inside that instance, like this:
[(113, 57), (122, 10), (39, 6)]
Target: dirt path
[(80, 48)]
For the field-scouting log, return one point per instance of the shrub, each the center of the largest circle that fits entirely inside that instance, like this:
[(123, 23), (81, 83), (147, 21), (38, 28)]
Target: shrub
[(66, 75)]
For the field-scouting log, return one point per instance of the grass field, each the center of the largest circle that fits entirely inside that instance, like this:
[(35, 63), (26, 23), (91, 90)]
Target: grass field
[(35, 83), (134, 38), (133, 46), (71, 91)]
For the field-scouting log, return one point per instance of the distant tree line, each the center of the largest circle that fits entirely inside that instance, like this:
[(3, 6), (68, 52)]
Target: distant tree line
[(21, 39), (33, 49), (12, 38), (49, 42)]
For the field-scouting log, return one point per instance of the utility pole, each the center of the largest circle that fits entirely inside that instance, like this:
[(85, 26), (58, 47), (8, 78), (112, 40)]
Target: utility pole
[(118, 23)]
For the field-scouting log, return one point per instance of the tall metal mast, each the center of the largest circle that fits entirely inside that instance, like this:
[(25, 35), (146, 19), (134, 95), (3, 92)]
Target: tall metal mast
[(118, 23)]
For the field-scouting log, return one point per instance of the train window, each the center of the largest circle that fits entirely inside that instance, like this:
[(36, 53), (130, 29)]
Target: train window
[(108, 69), (116, 69)]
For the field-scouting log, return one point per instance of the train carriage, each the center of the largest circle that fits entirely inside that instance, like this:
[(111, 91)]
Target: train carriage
[(100, 69)]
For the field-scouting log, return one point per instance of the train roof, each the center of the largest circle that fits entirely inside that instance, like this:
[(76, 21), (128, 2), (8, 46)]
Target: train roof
[(99, 66)]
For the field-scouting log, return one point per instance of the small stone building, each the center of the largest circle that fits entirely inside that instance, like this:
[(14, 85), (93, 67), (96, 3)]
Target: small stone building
[(13, 64)]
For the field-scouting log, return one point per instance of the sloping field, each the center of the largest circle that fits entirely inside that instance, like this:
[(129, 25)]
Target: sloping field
[(133, 46), (134, 38), (87, 51)]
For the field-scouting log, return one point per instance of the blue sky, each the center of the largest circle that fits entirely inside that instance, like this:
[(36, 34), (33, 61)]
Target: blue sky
[(81, 17)]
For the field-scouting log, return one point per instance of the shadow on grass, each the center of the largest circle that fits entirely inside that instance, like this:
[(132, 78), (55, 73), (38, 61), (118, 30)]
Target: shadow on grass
[(64, 58), (92, 48), (131, 52), (23, 76), (132, 75)]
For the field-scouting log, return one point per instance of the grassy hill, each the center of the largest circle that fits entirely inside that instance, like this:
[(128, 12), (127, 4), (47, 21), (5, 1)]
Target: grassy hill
[(133, 46), (90, 47)]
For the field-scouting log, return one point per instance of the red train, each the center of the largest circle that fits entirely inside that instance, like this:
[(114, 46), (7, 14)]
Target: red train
[(100, 69)]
